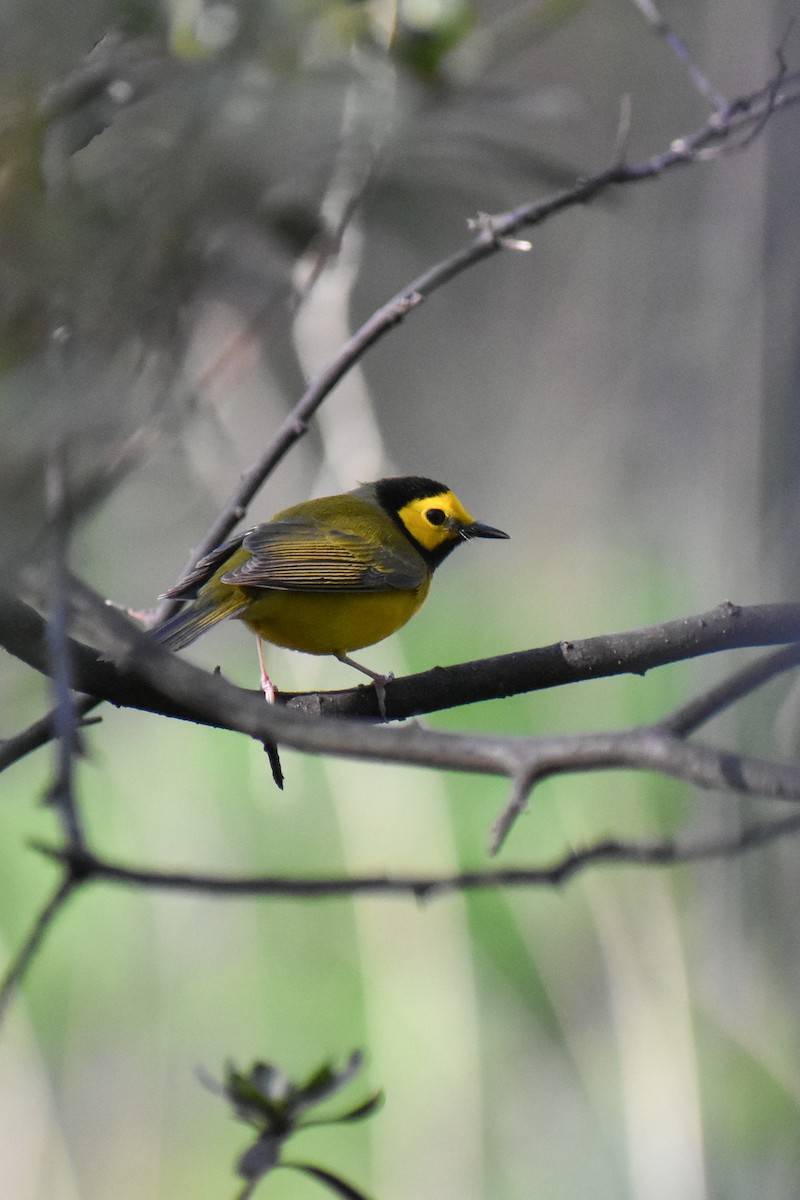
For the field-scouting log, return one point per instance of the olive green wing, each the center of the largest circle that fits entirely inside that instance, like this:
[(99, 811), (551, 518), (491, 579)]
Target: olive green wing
[(188, 587), (291, 555)]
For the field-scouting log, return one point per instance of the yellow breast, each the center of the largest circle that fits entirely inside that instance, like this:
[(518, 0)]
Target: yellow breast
[(329, 622)]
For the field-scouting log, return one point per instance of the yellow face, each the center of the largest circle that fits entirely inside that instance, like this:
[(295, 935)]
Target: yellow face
[(435, 519)]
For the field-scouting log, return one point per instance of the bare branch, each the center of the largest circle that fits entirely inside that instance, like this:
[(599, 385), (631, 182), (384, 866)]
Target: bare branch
[(19, 965), (726, 627), (673, 729), (516, 805), (608, 851), (145, 675), (647, 748), (702, 708), (723, 628), (679, 48), (61, 793), (44, 730)]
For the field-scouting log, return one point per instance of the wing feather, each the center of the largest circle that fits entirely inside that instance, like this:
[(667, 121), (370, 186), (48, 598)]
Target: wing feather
[(290, 555), (188, 587)]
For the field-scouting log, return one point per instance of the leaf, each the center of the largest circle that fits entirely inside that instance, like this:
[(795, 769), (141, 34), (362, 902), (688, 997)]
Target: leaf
[(365, 1109), (253, 1097), (358, 1113), (334, 1182), (272, 1103), (270, 1082), (322, 1082), (325, 1081)]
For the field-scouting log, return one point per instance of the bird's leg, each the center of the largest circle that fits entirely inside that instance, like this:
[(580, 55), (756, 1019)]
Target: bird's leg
[(380, 681), (267, 686)]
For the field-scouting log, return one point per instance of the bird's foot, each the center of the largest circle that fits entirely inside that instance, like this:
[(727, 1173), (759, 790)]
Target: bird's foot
[(379, 681)]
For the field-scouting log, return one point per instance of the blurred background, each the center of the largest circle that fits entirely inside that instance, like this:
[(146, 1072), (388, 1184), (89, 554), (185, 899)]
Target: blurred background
[(198, 202)]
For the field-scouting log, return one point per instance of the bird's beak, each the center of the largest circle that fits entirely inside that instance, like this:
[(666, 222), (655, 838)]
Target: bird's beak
[(476, 529)]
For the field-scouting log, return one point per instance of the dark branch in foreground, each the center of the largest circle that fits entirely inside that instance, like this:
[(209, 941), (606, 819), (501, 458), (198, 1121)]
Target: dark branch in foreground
[(727, 627), (62, 790), (144, 675), (635, 652), (18, 967)]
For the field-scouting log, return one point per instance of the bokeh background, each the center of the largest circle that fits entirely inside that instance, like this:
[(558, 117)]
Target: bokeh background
[(622, 400)]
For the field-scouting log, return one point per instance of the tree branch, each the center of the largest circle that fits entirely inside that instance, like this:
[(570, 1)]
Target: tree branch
[(606, 852), (61, 793), (726, 627), (144, 674), (709, 704), (670, 733), (637, 651), (19, 965), (700, 80)]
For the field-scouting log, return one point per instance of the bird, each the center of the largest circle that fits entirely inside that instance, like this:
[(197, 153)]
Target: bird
[(329, 575)]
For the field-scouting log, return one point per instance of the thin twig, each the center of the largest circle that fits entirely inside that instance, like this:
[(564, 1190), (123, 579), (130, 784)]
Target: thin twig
[(701, 709), (61, 792), (608, 851), (700, 80), (521, 788), (34, 736), (19, 965)]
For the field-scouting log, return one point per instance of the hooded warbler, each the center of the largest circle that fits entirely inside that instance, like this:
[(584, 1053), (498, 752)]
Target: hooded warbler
[(330, 575)]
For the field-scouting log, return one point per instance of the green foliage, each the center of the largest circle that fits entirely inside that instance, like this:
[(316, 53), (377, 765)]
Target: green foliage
[(427, 30), (275, 1106)]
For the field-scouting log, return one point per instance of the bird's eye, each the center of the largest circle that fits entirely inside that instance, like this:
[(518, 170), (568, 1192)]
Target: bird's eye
[(436, 516)]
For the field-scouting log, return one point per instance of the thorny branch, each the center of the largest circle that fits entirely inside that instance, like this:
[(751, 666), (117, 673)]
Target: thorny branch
[(81, 866), (17, 968), (607, 852)]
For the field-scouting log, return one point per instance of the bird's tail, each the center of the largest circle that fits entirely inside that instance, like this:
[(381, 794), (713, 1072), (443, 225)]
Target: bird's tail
[(195, 618)]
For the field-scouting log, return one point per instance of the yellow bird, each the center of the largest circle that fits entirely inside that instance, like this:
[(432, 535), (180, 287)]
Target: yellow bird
[(330, 575)]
